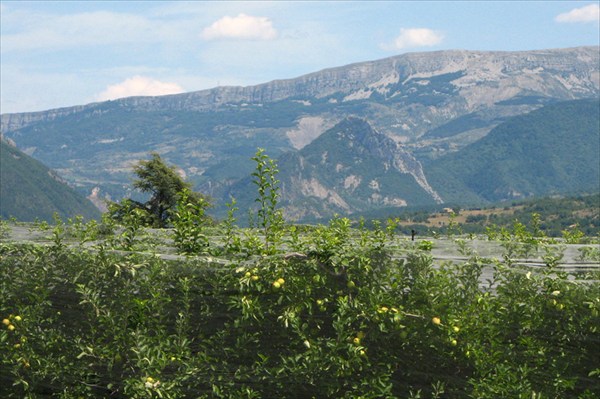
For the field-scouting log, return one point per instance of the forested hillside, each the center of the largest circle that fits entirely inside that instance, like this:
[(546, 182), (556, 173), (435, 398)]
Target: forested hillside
[(30, 191), (552, 150)]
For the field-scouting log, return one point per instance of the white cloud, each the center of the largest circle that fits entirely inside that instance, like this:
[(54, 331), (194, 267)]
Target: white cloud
[(589, 13), (415, 37), (139, 86), (241, 27)]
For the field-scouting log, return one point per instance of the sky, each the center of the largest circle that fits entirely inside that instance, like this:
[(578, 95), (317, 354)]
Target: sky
[(63, 53)]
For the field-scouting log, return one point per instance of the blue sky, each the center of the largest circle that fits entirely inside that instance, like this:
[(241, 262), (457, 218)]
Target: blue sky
[(56, 54)]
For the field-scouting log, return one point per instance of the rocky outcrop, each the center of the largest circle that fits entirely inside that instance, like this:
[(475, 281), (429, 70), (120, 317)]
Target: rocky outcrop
[(12, 122), (351, 168), (484, 78)]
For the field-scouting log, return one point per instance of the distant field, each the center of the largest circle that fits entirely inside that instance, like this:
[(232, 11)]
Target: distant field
[(443, 218)]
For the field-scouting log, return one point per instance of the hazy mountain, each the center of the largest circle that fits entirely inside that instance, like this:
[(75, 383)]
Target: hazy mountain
[(351, 167), (552, 150), (428, 104), (29, 190)]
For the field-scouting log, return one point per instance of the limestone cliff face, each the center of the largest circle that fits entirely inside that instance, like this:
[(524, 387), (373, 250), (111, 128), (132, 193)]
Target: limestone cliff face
[(487, 77), (482, 79), (11, 122)]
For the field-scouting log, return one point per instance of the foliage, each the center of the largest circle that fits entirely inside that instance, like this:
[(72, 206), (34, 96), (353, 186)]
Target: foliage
[(425, 245), (573, 235), (348, 313), (164, 185), (270, 219), (188, 220), (4, 229), (232, 239)]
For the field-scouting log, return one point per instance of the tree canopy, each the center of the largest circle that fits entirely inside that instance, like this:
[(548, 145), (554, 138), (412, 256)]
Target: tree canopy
[(165, 186)]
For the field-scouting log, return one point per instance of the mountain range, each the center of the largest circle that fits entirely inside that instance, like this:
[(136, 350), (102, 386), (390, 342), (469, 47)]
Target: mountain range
[(409, 130)]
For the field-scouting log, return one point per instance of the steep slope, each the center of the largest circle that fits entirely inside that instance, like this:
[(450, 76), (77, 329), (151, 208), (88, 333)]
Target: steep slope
[(349, 168), (432, 103), (552, 150), (29, 190)]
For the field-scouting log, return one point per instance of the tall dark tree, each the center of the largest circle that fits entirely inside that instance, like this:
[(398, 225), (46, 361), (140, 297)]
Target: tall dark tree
[(164, 185)]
